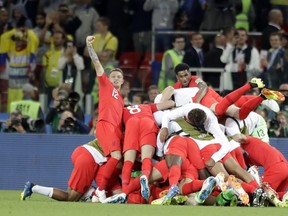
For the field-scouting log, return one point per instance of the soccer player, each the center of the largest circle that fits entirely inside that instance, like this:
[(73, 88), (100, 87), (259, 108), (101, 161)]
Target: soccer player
[(274, 163), (109, 124), (87, 160), (220, 106), (140, 136), (212, 151)]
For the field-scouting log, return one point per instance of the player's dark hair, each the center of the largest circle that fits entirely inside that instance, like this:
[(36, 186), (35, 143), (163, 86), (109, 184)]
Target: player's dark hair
[(197, 117), (181, 67)]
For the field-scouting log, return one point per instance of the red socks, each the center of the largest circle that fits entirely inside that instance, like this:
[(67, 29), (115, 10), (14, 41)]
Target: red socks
[(110, 166), (126, 172), (249, 106), (174, 175), (230, 99), (191, 187), (146, 167)]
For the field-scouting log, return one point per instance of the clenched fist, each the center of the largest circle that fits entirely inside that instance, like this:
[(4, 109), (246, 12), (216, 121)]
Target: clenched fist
[(90, 39)]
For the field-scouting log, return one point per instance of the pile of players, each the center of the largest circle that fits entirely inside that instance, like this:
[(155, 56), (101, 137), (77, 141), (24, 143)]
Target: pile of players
[(175, 151)]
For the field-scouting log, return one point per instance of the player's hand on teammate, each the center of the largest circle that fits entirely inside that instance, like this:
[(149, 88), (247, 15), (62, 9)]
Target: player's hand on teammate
[(163, 134), (90, 39)]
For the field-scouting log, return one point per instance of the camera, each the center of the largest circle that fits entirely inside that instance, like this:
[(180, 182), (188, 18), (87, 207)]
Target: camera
[(15, 122), (68, 126), (35, 125), (274, 124)]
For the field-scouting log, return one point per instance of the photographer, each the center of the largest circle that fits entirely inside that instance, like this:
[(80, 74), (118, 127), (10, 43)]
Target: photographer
[(71, 125), (278, 127), (19, 124), (64, 102)]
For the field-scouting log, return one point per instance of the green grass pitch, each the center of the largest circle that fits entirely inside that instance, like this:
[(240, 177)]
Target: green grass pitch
[(38, 205)]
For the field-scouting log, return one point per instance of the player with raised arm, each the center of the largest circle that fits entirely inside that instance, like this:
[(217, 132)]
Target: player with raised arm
[(109, 124)]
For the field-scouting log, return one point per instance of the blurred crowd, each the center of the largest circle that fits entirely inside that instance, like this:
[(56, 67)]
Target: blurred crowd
[(42, 52)]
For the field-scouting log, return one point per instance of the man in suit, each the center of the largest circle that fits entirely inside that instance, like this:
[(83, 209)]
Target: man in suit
[(195, 57), (275, 21), (212, 60), (273, 65)]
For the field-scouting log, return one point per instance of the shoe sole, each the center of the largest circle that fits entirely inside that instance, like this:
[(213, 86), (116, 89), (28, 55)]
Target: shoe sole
[(118, 200), (145, 191), (203, 194), (278, 96)]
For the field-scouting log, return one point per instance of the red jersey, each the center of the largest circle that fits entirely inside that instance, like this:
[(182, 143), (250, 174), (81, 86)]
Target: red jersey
[(111, 102), (193, 83), (141, 110), (262, 154)]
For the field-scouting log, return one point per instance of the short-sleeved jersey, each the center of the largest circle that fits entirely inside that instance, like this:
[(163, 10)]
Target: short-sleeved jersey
[(141, 110), (111, 102), (194, 83), (261, 154)]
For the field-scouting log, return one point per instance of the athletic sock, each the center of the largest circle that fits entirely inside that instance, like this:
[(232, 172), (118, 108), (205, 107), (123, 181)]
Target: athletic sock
[(146, 167), (191, 187), (230, 99), (110, 166), (133, 185), (126, 172), (174, 175), (46, 191), (249, 106)]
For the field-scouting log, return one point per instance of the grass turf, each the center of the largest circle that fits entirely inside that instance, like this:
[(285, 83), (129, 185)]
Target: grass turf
[(38, 205)]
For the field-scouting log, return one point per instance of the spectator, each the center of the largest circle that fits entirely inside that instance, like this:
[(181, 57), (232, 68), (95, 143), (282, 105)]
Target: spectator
[(5, 25), (71, 64), (171, 58), (29, 105), (18, 48), (137, 99), (51, 5), (93, 121), (125, 92), (194, 57), (162, 19), (153, 91), (67, 20), (241, 59), (212, 60), (273, 64), (284, 90), (88, 16), (279, 126), (44, 36), (218, 14), (275, 19), (245, 15), (50, 61), (19, 13), (141, 26)]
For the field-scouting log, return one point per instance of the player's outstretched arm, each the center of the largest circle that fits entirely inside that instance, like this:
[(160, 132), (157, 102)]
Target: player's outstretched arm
[(94, 58)]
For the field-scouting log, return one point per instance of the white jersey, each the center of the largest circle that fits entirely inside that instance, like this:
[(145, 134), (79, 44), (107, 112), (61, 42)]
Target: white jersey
[(182, 96), (255, 124), (211, 125)]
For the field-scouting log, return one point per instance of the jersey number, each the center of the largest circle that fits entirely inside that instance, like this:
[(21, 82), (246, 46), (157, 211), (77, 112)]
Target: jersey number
[(134, 109)]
